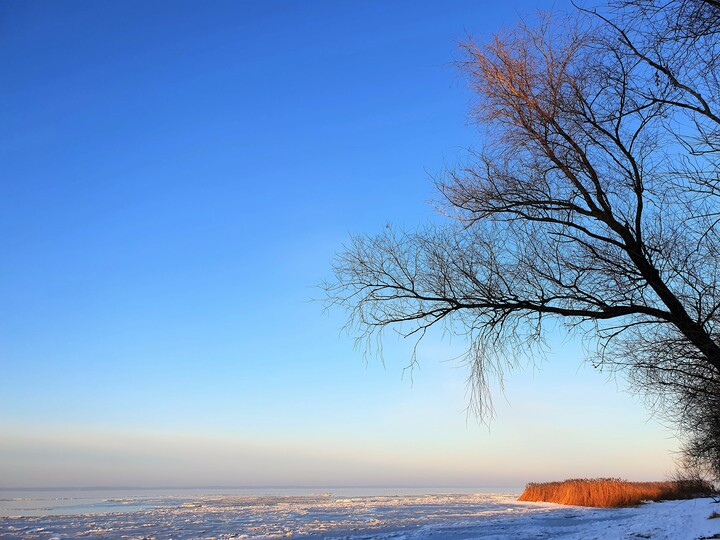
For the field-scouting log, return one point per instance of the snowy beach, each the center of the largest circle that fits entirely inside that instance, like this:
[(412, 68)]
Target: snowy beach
[(336, 517)]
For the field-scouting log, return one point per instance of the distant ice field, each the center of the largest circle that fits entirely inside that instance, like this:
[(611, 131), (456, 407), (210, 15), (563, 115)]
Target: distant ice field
[(336, 516)]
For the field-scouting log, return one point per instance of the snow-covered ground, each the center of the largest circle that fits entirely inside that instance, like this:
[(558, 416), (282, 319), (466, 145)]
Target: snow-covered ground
[(315, 517)]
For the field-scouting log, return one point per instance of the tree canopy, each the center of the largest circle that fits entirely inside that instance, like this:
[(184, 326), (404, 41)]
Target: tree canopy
[(594, 201)]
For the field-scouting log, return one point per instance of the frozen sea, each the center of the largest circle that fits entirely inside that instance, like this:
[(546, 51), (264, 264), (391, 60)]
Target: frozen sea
[(335, 515)]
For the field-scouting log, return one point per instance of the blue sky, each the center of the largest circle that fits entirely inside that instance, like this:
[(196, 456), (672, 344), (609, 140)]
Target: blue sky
[(174, 180)]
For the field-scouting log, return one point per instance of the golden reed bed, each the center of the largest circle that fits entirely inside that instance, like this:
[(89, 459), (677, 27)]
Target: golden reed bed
[(613, 492)]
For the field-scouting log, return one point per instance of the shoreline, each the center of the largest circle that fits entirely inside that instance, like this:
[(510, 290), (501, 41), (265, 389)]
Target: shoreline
[(416, 517)]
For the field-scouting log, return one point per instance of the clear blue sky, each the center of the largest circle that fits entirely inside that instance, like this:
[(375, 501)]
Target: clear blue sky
[(174, 179)]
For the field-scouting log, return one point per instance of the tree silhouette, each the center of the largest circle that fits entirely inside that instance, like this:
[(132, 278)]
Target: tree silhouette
[(593, 202)]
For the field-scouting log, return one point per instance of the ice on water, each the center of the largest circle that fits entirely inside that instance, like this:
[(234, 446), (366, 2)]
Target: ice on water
[(331, 517)]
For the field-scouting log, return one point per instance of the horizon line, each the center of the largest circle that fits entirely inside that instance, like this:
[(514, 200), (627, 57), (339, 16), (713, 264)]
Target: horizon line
[(289, 486)]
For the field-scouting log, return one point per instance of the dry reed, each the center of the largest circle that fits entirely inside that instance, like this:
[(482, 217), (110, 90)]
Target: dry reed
[(613, 492)]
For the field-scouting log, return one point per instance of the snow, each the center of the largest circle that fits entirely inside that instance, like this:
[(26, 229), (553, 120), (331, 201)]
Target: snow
[(328, 517)]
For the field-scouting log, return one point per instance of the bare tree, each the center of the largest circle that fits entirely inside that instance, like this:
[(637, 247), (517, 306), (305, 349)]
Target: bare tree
[(594, 202), (679, 40)]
